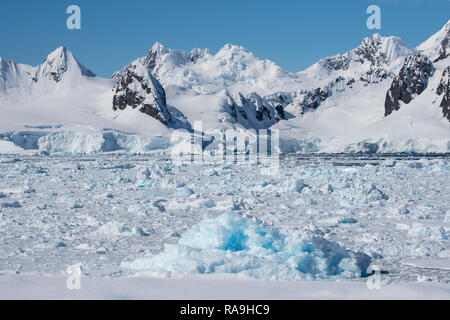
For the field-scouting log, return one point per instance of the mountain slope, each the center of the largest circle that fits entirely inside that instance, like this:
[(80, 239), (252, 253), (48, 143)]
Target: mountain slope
[(375, 55), (437, 47), (411, 81)]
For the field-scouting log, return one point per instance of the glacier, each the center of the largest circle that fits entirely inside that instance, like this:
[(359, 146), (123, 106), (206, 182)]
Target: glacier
[(87, 140)]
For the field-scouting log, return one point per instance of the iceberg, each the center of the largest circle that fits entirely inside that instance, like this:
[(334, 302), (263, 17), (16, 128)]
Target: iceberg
[(236, 244)]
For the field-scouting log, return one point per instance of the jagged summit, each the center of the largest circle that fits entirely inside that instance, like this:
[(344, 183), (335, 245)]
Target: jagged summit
[(59, 62), (58, 72), (137, 88), (375, 51), (232, 68), (157, 47)]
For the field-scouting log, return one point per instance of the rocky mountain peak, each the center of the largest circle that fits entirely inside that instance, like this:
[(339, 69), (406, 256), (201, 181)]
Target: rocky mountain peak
[(137, 88), (444, 90), (375, 52), (59, 62)]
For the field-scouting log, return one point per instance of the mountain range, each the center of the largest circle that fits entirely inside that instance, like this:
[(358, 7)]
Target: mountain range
[(379, 97)]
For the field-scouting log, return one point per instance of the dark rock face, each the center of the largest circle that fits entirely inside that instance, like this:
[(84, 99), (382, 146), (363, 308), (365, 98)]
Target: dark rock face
[(411, 81), (340, 62), (256, 112), (279, 101), (57, 74), (157, 55), (313, 99), (263, 112), (375, 75), (444, 90), (444, 52), (152, 60), (137, 88)]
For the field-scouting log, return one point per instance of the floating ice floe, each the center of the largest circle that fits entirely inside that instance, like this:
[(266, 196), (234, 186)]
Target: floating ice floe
[(234, 244)]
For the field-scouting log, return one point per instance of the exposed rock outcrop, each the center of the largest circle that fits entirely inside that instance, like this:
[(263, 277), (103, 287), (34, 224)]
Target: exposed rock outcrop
[(254, 111), (444, 90), (313, 99), (410, 82), (137, 88), (376, 52)]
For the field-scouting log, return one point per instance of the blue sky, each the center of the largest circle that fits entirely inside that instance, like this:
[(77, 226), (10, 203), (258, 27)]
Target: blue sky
[(292, 33)]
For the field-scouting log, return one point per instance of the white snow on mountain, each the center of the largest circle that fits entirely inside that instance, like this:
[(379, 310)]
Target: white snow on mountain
[(374, 53), (15, 78), (60, 72), (437, 47), (233, 68)]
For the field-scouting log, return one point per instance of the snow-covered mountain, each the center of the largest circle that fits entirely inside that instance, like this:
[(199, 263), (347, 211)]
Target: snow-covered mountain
[(232, 82), (137, 88), (381, 96), (375, 56), (233, 68), (59, 72)]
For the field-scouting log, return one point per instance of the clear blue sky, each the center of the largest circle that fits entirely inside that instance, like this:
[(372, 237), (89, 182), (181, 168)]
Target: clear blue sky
[(292, 33)]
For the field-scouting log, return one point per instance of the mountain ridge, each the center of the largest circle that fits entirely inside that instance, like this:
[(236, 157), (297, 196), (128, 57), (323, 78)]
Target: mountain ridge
[(344, 96), (58, 72)]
